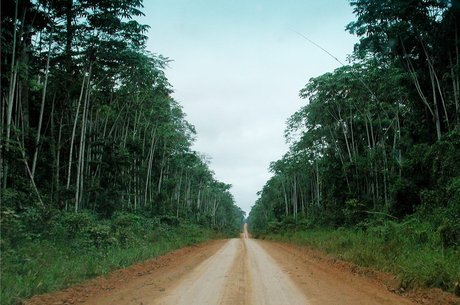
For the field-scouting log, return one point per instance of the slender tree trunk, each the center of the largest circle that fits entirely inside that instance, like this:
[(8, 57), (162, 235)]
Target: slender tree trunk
[(150, 164), (342, 125), (178, 194), (302, 198), (32, 182), (69, 171), (58, 161), (456, 78), (385, 176), (198, 202), (436, 85), (294, 197), (12, 87), (69, 33), (341, 157), (318, 190), (435, 107), (81, 158), (285, 198), (456, 89), (353, 143), (434, 112), (2, 130), (42, 109), (53, 148)]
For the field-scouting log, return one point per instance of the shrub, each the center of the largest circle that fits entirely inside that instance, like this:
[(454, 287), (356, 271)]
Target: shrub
[(11, 228), (170, 220), (127, 227), (101, 237), (450, 233), (354, 211), (77, 223), (275, 227)]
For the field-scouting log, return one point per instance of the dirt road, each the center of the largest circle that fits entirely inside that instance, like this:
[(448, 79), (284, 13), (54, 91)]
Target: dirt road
[(233, 272)]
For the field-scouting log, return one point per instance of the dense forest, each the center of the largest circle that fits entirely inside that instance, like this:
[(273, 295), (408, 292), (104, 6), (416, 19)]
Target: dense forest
[(376, 147), (97, 169), (88, 121), (95, 152)]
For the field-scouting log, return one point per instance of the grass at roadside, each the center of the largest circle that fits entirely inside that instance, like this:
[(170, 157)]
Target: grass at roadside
[(409, 251), (38, 265)]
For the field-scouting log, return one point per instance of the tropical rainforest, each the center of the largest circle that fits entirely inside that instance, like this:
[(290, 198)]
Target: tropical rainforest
[(372, 173), (98, 171), (96, 157)]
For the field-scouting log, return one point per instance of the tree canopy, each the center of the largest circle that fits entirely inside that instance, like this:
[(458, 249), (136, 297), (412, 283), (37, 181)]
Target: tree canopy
[(88, 121), (378, 137)]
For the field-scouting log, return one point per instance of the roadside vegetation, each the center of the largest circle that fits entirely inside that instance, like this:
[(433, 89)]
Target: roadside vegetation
[(372, 174), (68, 248), (97, 169), (412, 250)]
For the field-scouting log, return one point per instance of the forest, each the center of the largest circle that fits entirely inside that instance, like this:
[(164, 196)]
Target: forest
[(96, 158), (98, 170), (372, 173)]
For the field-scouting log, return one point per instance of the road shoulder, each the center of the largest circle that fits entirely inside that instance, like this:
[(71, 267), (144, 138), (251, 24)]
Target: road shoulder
[(325, 279), (153, 277)]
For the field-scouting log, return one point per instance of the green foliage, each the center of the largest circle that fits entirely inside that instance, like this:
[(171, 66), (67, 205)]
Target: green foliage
[(376, 147), (128, 145), (275, 226), (11, 228), (76, 223), (170, 220), (450, 233), (110, 177), (81, 246), (409, 250), (404, 197), (454, 190), (353, 211)]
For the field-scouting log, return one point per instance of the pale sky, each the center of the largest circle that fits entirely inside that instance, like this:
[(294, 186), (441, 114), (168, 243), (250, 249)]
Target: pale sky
[(237, 70)]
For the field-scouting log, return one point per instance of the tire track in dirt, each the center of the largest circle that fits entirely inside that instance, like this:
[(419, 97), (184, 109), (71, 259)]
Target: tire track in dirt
[(270, 284), (238, 272), (205, 284), (237, 287)]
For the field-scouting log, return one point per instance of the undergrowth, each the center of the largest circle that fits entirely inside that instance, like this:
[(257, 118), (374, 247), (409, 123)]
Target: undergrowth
[(76, 247), (412, 250)]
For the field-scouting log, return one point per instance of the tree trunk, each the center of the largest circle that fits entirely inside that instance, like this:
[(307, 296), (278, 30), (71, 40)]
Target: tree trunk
[(73, 133), (81, 158), (42, 109), (435, 107), (150, 164), (285, 197), (12, 87)]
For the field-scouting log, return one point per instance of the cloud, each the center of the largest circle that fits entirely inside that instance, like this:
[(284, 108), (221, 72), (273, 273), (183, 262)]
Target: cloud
[(237, 71)]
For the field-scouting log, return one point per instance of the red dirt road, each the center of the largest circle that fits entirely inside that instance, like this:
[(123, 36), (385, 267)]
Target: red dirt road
[(241, 271)]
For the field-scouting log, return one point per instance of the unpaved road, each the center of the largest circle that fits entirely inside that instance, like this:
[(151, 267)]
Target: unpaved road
[(240, 273), (234, 272)]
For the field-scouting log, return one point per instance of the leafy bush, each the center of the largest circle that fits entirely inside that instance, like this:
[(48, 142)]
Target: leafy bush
[(76, 223), (275, 227), (11, 228), (101, 237), (170, 220), (354, 211), (450, 233)]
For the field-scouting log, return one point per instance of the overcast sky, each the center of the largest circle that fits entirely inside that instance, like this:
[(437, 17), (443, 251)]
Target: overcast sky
[(237, 70)]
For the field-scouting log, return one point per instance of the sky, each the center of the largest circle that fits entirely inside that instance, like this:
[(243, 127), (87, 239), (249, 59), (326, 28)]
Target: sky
[(237, 69)]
